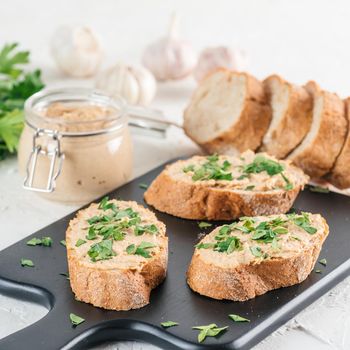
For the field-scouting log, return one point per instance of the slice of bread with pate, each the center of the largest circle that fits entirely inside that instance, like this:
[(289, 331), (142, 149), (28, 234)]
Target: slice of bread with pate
[(255, 255), (291, 116), (228, 113), (117, 253), (226, 187), (340, 174), (318, 151)]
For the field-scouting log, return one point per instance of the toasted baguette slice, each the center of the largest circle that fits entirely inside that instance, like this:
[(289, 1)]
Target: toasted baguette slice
[(318, 151), (291, 116), (242, 268), (181, 191), (123, 280), (340, 174), (228, 113)]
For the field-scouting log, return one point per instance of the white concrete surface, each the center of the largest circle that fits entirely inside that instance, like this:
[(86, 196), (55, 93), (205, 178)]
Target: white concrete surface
[(298, 39)]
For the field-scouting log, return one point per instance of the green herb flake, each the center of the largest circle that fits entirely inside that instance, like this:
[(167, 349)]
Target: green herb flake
[(211, 330), (27, 263), (318, 271), (46, 241), (80, 242), (261, 164), (323, 262), (205, 245), (65, 275), (237, 318), (168, 324), (34, 241), (188, 168), (318, 189), (289, 186), (249, 188), (143, 186), (256, 251), (102, 250), (76, 320), (203, 224), (212, 170), (63, 242), (142, 249)]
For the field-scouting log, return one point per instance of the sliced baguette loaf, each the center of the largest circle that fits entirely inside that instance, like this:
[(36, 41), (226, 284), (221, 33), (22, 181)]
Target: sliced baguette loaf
[(228, 113), (226, 187), (249, 258), (319, 149), (291, 116), (117, 253), (340, 174)]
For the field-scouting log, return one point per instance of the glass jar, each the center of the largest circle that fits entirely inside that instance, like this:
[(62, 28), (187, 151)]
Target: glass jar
[(75, 145)]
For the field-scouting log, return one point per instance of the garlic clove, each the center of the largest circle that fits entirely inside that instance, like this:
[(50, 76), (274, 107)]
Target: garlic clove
[(170, 58), (76, 50), (135, 84), (213, 58)]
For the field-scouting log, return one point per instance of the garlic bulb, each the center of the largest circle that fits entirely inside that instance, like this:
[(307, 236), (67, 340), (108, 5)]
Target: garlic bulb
[(170, 58), (212, 58), (135, 84), (76, 51)]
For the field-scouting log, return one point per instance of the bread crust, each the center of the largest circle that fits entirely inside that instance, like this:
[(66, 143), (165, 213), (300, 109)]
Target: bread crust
[(340, 174), (115, 288), (248, 131), (196, 201), (318, 158), (295, 122), (248, 281)]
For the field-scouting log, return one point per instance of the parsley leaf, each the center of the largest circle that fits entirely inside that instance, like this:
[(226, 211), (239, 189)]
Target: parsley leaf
[(203, 224), (211, 170), (141, 249), (260, 164), (80, 242), (168, 324), (102, 250), (143, 186), (318, 189), (34, 241), (44, 241), (323, 262), (27, 263), (303, 221), (256, 251), (237, 318), (63, 242), (211, 330), (75, 319)]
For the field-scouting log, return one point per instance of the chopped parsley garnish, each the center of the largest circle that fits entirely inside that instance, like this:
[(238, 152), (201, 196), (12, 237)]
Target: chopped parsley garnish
[(143, 186), (266, 231), (27, 263), (63, 242), (105, 204), (211, 330), (237, 318), (318, 189), (256, 251), (323, 262), (289, 186), (318, 271), (142, 249), (80, 242), (210, 170), (44, 241), (168, 324), (102, 250), (140, 230), (260, 164), (303, 221), (65, 275), (203, 224), (223, 244), (75, 319), (249, 188)]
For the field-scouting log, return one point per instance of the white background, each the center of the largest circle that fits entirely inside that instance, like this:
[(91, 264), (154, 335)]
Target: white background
[(299, 40)]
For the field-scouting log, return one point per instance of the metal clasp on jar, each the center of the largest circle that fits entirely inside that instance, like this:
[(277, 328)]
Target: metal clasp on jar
[(53, 152)]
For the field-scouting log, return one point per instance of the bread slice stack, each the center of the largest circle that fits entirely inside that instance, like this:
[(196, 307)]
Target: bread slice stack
[(117, 253), (291, 116), (255, 255), (228, 113), (232, 112), (318, 151), (226, 187)]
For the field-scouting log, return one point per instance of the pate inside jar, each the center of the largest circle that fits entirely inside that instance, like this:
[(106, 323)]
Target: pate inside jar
[(75, 145)]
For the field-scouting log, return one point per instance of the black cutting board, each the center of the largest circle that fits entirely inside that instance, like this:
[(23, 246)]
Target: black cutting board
[(172, 300)]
